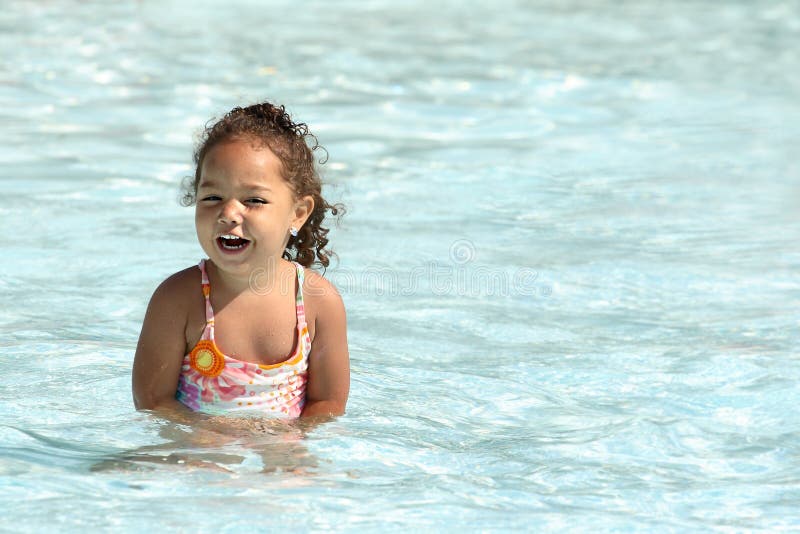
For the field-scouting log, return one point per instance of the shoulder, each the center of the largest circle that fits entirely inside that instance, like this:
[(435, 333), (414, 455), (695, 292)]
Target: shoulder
[(177, 290), (321, 296)]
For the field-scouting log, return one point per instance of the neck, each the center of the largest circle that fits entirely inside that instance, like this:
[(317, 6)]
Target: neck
[(270, 278)]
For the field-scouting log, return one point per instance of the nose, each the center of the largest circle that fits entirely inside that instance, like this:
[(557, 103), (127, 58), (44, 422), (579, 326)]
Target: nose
[(230, 213)]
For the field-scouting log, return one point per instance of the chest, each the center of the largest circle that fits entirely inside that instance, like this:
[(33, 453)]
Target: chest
[(260, 331), (259, 334)]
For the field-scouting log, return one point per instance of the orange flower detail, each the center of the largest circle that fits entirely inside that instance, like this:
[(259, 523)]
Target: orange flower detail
[(206, 359)]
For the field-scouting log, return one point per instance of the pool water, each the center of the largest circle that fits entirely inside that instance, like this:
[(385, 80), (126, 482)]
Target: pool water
[(570, 263)]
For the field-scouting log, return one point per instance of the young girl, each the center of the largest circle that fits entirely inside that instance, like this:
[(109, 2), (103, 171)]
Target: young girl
[(250, 329)]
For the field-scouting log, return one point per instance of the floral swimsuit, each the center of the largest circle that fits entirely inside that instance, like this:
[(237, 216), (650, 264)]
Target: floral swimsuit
[(214, 383)]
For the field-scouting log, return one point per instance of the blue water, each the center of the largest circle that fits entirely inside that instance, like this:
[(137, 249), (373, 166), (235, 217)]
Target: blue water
[(570, 263)]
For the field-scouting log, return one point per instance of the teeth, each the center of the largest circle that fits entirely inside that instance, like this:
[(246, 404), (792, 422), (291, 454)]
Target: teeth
[(230, 237)]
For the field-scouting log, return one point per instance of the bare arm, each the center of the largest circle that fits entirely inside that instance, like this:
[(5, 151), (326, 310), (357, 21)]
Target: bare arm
[(159, 354), (329, 362)]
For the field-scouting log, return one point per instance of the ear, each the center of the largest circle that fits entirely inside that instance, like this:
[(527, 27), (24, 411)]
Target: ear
[(302, 211)]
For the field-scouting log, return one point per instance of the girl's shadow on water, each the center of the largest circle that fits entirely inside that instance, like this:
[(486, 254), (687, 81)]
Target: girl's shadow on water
[(221, 444)]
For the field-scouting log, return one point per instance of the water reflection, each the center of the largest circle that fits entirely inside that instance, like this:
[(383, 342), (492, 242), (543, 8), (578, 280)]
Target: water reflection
[(222, 444)]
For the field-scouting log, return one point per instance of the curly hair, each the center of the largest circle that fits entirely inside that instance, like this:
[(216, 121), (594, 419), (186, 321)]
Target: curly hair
[(272, 126)]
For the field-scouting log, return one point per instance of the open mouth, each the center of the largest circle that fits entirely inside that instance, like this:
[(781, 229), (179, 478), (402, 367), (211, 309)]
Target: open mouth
[(232, 243)]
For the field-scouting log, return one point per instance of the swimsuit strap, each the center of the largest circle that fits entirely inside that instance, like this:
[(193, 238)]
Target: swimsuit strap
[(207, 295), (299, 303)]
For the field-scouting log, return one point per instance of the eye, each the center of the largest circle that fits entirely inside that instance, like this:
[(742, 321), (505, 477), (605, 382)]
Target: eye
[(256, 201), (210, 198)]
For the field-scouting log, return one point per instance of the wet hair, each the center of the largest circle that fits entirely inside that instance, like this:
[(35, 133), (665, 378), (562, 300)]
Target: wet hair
[(273, 127)]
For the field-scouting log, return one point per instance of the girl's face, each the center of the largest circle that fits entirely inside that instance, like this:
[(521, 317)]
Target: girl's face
[(245, 207)]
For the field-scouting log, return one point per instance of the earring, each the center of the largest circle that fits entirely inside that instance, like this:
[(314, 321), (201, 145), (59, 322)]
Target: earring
[(293, 231)]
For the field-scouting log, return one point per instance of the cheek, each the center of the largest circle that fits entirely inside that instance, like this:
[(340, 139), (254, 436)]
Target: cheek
[(202, 219)]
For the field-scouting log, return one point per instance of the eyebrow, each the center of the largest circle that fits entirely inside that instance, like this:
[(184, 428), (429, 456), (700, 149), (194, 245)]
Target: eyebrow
[(249, 187)]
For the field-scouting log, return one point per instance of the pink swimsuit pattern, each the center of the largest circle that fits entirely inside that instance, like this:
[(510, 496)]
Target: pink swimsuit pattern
[(214, 383)]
